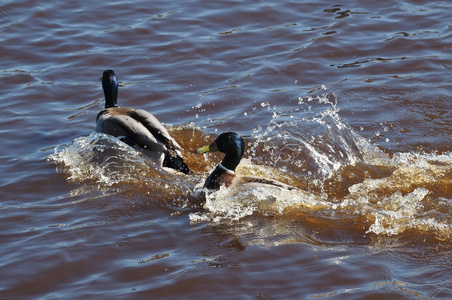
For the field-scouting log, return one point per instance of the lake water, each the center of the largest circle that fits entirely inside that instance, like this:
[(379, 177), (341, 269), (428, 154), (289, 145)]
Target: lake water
[(348, 101)]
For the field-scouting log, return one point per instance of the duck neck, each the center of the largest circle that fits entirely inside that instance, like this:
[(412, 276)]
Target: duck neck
[(110, 87), (231, 160), (220, 175), (111, 98), (225, 171)]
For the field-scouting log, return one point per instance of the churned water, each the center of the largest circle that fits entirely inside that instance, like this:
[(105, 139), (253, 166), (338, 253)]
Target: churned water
[(349, 102)]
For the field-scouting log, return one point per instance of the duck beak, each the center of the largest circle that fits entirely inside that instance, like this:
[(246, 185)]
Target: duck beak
[(203, 149), (210, 148)]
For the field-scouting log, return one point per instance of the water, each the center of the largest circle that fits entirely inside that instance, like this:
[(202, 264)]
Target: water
[(348, 102)]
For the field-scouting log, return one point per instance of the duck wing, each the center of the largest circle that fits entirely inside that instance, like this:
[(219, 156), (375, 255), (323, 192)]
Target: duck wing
[(116, 123), (155, 127), (119, 121), (145, 130), (261, 181), (172, 155)]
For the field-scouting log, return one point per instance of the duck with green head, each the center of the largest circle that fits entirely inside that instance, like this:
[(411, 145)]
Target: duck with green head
[(233, 146), (138, 128)]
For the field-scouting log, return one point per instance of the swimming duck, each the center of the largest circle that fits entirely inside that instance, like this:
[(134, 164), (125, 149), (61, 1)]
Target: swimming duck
[(138, 128), (233, 146)]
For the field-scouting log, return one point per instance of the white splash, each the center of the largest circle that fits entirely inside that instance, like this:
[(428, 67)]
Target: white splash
[(101, 158)]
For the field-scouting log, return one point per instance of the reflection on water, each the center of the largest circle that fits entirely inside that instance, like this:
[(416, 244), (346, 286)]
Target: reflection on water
[(339, 173), (349, 102)]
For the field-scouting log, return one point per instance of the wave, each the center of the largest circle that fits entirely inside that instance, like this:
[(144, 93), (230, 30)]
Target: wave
[(340, 172), (345, 181)]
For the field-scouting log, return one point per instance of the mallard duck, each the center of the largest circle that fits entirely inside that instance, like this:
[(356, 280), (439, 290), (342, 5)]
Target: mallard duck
[(138, 128), (233, 146)]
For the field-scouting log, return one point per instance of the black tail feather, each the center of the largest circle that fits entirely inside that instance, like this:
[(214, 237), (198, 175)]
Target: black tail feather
[(177, 163)]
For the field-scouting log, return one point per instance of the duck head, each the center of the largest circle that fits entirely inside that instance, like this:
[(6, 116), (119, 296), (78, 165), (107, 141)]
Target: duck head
[(233, 145), (229, 143), (110, 86)]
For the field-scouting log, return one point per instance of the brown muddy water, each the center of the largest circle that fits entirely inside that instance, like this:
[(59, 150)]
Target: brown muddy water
[(349, 101)]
